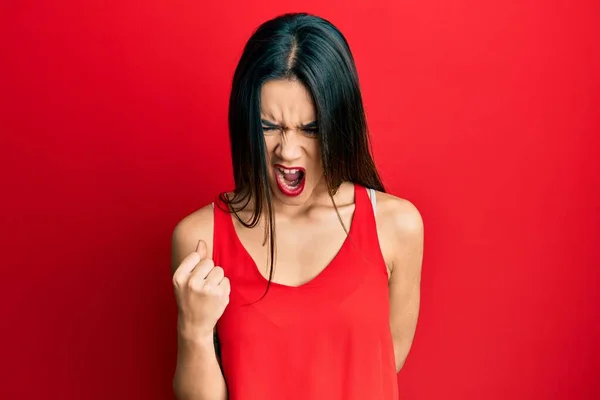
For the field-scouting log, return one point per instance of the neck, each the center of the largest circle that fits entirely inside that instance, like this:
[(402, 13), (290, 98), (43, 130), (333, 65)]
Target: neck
[(318, 197)]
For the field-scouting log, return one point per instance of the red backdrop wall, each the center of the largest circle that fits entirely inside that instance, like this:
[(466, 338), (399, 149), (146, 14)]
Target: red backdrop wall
[(484, 114)]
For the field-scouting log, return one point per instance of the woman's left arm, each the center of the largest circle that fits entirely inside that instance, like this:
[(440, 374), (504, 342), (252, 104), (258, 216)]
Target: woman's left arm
[(404, 237)]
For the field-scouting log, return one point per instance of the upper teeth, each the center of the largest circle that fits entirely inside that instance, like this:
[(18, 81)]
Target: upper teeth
[(288, 171)]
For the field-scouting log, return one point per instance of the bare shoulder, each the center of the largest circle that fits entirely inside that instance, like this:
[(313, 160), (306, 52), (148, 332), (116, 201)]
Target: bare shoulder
[(399, 227), (197, 226), (401, 214)]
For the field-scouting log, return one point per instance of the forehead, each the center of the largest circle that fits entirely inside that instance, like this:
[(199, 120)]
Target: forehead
[(287, 102)]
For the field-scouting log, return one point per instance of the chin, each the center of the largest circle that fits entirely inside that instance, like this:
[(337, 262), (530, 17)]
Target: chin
[(292, 196), (298, 197)]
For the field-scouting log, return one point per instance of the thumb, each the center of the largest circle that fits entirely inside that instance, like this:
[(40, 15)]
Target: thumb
[(201, 249)]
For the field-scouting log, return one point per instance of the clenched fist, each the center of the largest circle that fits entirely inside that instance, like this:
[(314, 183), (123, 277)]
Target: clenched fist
[(202, 293)]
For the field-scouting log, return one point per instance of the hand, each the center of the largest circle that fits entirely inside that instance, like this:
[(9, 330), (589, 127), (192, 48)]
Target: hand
[(202, 293)]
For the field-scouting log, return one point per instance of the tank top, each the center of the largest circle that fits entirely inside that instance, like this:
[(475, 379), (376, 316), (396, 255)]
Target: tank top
[(328, 339)]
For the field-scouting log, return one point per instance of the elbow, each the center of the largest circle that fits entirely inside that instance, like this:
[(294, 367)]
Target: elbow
[(176, 388)]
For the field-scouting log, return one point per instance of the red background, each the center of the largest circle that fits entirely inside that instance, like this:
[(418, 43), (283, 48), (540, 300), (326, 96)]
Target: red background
[(483, 114)]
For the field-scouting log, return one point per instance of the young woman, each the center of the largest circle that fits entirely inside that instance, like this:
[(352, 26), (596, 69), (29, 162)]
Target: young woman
[(308, 273)]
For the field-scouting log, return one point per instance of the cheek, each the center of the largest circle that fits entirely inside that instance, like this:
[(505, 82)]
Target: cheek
[(314, 153), (270, 149)]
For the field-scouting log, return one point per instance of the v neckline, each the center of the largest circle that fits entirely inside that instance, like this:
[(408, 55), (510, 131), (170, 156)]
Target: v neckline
[(321, 275)]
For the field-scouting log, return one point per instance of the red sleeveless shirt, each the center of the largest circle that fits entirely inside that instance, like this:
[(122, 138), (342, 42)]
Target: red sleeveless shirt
[(328, 339)]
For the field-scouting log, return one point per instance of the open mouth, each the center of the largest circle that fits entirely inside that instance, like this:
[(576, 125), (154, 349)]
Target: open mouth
[(290, 181)]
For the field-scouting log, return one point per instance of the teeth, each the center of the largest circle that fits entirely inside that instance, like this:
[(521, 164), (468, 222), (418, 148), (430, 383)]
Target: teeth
[(288, 171)]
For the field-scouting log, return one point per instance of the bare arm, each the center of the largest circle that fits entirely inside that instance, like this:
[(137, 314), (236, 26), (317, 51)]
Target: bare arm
[(198, 375), (402, 230)]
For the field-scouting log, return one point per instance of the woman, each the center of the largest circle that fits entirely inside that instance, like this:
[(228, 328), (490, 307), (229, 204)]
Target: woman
[(309, 279)]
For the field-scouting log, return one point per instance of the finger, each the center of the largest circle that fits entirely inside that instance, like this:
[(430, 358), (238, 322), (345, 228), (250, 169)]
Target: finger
[(215, 276), (201, 248), (225, 285), (202, 269), (186, 267)]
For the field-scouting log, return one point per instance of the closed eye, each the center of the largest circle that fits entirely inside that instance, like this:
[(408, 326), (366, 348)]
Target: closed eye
[(310, 129)]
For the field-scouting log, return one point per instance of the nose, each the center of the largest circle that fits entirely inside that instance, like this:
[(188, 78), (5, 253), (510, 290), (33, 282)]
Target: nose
[(289, 147)]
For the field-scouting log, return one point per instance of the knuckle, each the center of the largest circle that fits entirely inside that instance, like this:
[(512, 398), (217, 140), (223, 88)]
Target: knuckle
[(195, 284), (177, 280)]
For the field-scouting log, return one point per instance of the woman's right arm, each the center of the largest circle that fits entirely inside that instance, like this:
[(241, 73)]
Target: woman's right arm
[(202, 294), (198, 374)]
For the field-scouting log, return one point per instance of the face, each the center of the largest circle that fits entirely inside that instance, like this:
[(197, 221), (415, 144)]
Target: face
[(291, 137)]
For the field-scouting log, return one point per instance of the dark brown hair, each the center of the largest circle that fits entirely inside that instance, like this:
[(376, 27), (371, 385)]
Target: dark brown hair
[(313, 51)]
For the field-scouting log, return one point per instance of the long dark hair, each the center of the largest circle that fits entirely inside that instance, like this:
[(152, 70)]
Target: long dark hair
[(313, 51)]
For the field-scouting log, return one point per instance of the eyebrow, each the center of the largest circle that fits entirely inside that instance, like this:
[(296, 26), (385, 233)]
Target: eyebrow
[(310, 125)]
